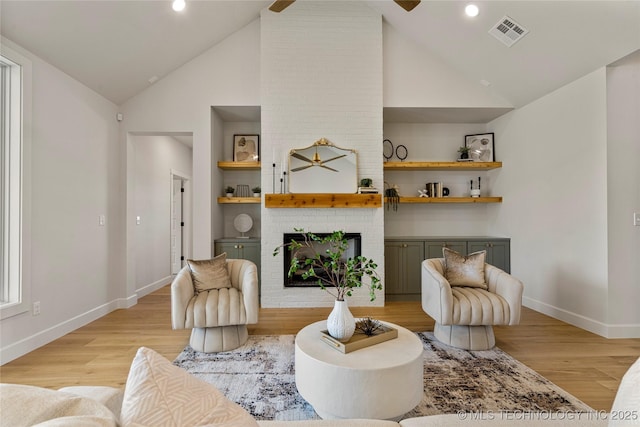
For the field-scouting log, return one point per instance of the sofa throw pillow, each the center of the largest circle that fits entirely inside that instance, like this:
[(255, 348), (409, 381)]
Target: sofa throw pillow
[(159, 394), (210, 274), (461, 270)]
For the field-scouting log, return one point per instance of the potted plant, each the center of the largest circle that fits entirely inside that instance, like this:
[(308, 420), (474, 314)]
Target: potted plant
[(335, 274), (229, 190), (464, 152), (256, 191)]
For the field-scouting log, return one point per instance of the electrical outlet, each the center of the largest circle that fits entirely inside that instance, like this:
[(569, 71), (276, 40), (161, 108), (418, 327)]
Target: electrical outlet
[(36, 308), (636, 218), (102, 220)]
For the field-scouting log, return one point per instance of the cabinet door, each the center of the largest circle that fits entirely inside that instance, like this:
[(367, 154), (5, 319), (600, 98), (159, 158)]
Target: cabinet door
[(231, 249), (498, 252), (250, 251), (433, 248), (402, 267)]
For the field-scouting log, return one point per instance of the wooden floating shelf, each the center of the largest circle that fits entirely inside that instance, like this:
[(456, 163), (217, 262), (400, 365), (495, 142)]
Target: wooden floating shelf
[(442, 166), (322, 200), (450, 199), (238, 200), (247, 166)]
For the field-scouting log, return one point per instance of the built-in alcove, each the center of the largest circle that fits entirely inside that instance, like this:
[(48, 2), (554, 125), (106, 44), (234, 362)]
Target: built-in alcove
[(354, 242)]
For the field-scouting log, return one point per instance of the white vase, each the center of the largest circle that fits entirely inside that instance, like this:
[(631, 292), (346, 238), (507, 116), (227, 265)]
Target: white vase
[(340, 323)]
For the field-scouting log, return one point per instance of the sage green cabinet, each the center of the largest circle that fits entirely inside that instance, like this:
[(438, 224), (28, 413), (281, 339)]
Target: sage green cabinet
[(498, 252), (403, 257), (402, 261), (239, 249), (433, 248)]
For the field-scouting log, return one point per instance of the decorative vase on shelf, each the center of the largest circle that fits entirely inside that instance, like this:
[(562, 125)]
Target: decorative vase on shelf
[(340, 324)]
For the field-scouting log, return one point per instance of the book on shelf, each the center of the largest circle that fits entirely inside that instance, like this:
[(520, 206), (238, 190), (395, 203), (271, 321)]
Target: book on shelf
[(367, 190), (359, 340)]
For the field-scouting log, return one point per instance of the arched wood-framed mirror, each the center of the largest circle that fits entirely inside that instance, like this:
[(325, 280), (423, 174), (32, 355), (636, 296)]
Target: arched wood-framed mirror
[(323, 168)]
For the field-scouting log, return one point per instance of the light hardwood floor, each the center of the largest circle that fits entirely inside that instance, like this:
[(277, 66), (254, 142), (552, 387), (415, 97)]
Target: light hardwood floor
[(586, 365)]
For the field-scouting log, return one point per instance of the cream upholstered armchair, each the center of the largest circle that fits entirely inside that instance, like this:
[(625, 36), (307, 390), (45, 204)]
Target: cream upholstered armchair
[(464, 315), (216, 307)]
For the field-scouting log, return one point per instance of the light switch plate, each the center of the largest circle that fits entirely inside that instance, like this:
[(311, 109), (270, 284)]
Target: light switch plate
[(636, 218)]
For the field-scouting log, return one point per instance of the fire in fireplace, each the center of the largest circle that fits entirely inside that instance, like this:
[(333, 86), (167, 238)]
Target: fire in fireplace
[(296, 281)]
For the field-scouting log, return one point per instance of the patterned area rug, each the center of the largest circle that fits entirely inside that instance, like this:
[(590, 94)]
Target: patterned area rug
[(260, 377)]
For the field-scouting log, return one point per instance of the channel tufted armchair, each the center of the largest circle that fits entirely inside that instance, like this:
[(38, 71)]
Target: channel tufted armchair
[(216, 307), (464, 315)]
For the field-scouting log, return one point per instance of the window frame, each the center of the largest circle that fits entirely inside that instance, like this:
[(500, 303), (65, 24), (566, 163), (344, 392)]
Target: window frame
[(15, 192)]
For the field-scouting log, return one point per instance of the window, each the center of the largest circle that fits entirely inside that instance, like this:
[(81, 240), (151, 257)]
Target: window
[(15, 71)]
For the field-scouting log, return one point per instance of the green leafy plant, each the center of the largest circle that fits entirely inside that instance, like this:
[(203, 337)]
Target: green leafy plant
[(463, 150), (334, 273), (256, 189), (229, 189)]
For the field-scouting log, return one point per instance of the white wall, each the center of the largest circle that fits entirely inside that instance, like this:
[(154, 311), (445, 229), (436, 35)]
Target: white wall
[(321, 77), (554, 184), (227, 74), (75, 264), (155, 157), (623, 178)]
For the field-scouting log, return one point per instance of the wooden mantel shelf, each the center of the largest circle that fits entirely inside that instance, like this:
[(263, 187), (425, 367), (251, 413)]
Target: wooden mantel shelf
[(322, 200), (248, 166), (442, 166)]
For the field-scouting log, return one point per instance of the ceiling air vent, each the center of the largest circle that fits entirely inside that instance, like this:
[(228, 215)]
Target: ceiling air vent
[(508, 31)]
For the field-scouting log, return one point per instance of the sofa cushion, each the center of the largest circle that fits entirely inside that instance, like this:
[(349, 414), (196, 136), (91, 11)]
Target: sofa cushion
[(210, 273), (24, 405), (461, 270), (626, 406), (159, 394)]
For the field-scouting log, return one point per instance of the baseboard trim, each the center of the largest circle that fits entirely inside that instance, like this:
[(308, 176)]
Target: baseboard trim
[(26, 345), (152, 287), (603, 329)]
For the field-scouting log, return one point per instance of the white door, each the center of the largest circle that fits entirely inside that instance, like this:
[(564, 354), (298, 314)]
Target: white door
[(177, 225)]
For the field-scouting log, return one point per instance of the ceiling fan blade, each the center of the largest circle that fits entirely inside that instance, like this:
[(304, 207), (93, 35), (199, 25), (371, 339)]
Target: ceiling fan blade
[(407, 5), (280, 5), (301, 157), (301, 168), (327, 167), (333, 158)]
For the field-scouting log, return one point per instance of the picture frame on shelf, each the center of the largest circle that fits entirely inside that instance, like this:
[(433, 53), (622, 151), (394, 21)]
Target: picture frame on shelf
[(246, 148), (481, 147)]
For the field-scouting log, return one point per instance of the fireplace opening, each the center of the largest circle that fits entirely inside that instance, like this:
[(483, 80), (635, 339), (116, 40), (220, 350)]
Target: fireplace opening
[(296, 281)]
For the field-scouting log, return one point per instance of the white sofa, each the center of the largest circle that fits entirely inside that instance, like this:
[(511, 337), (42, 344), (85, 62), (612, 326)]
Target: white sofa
[(158, 394)]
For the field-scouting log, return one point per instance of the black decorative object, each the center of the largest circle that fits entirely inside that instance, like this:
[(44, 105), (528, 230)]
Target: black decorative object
[(392, 198), (368, 326), (387, 149), (401, 152)]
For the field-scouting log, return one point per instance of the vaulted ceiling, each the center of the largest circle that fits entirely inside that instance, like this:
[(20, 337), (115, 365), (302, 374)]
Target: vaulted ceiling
[(116, 47)]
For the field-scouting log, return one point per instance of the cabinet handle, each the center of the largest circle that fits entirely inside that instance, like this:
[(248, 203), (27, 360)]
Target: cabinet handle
[(235, 246), (240, 246), (404, 245), (489, 245)]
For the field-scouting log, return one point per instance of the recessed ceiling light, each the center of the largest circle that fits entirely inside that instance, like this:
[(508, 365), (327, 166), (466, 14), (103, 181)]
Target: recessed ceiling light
[(178, 5), (471, 10)]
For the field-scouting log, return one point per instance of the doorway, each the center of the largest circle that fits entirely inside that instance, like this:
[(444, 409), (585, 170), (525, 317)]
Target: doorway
[(178, 221)]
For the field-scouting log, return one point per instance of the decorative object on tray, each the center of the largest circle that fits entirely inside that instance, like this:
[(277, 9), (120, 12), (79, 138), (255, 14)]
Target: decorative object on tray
[(368, 326), (360, 340), (481, 147), (243, 223), (229, 191), (335, 273), (246, 148)]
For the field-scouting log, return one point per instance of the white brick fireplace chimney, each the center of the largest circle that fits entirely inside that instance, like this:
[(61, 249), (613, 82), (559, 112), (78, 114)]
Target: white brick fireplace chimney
[(321, 72)]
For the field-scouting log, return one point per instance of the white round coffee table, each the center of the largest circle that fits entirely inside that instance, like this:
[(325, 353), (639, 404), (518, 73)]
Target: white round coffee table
[(383, 381)]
